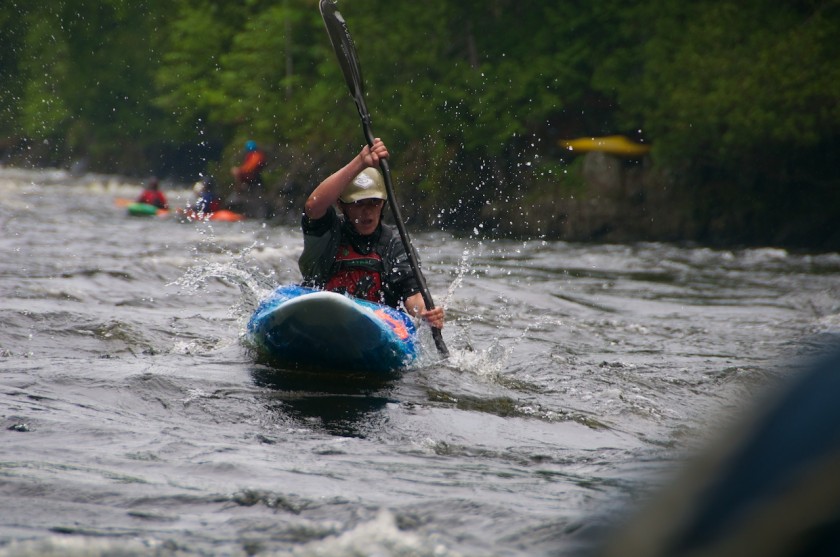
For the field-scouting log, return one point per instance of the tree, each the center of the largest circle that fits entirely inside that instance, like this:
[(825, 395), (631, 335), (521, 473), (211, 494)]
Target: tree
[(86, 83)]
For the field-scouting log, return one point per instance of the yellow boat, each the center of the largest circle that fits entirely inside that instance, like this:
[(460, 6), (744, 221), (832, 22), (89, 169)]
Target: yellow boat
[(613, 144)]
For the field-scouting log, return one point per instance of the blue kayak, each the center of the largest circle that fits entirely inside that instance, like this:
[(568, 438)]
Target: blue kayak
[(302, 328)]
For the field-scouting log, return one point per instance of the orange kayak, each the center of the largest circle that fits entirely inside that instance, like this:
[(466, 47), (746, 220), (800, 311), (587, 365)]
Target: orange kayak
[(222, 215)]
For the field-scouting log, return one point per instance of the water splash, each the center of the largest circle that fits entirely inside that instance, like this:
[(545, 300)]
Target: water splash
[(380, 536), (254, 283), (463, 267), (487, 363)]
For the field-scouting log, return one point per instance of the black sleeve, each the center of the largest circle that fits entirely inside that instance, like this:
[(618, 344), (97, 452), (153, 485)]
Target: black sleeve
[(318, 227), (320, 243), (400, 282)]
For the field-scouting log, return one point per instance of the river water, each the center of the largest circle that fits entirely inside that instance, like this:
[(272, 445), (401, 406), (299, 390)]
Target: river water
[(136, 422)]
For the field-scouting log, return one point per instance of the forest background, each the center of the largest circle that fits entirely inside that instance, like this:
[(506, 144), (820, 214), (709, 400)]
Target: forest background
[(738, 100)]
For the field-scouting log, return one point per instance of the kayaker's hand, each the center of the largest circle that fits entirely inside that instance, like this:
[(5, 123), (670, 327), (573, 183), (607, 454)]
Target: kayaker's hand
[(371, 156), (416, 307), (434, 317)]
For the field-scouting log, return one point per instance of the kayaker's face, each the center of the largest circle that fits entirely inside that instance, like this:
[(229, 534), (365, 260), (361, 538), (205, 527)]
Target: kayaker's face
[(365, 214)]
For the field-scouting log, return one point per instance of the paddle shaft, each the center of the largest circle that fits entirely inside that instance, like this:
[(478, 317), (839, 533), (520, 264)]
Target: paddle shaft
[(345, 50)]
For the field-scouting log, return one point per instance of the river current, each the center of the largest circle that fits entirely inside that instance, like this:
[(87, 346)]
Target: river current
[(136, 422)]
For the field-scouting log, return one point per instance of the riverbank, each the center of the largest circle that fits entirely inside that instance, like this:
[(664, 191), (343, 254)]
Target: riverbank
[(598, 198), (605, 198)]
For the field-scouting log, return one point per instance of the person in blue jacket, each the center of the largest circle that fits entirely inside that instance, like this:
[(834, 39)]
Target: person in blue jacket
[(207, 200)]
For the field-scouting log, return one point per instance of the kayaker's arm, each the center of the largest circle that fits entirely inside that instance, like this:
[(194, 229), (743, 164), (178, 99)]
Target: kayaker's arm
[(328, 191), (416, 307)]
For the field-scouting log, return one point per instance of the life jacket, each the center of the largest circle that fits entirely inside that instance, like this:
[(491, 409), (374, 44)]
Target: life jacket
[(252, 166), (357, 274), (333, 250)]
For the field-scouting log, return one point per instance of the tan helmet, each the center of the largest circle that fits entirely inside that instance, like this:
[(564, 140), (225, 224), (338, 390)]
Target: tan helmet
[(369, 184)]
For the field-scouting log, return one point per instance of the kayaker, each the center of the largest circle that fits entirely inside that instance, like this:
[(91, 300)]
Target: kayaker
[(354, 252), (248, 192), (249, 173), (152, 195), (207, 201)]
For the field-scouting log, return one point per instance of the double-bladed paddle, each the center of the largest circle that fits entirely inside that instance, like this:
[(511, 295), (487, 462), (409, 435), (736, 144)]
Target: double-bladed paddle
[(345, 50)]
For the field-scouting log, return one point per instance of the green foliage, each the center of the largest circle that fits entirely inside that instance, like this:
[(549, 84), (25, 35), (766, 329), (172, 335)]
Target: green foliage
[(195, 39), (44, 110), (85, 77), (12, 39), (722, 80)]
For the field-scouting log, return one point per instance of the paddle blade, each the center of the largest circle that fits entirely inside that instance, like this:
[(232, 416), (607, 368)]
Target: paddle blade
[(345, 51)]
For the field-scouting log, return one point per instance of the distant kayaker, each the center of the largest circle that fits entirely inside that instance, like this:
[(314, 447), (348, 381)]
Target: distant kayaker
[(152, 195), (249, 173), (207, 201), (354, 252), (249, 189)]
